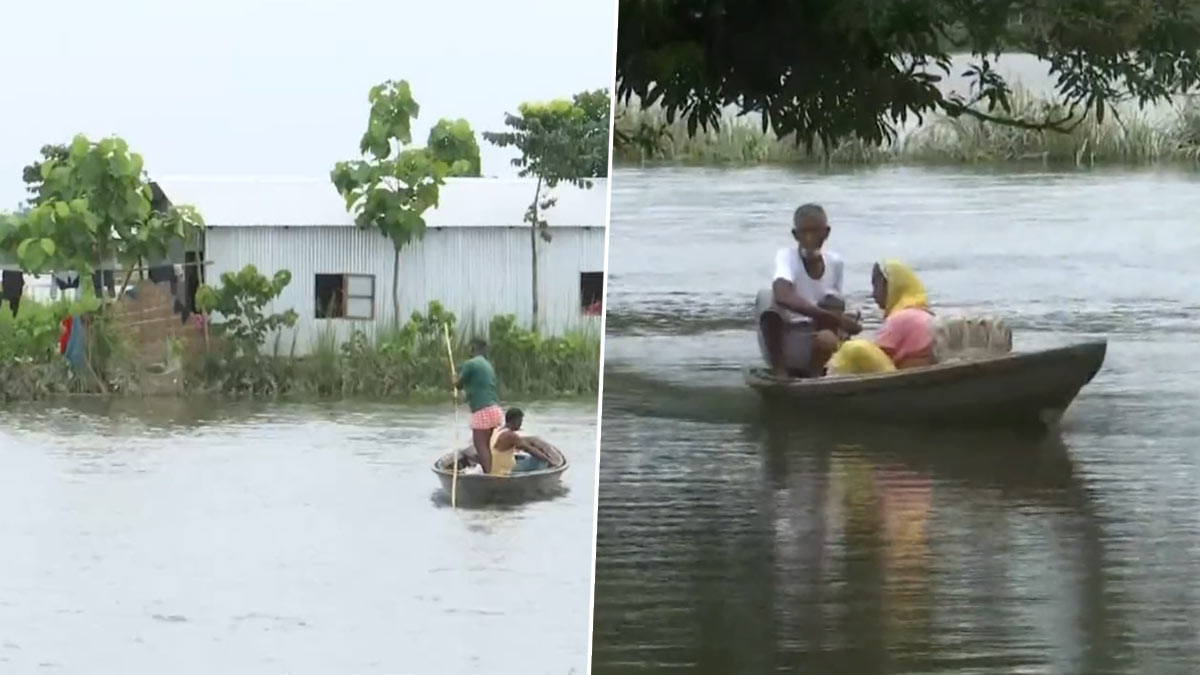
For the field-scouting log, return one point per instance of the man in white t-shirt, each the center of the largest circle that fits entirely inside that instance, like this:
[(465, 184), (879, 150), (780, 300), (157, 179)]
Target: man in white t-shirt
[(802, 315)]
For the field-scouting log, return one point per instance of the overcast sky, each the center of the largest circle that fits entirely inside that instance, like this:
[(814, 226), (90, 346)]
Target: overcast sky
[(278, 87)]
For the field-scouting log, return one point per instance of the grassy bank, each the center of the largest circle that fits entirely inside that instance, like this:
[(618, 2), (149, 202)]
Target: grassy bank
[(406, 363), (1136, 138)]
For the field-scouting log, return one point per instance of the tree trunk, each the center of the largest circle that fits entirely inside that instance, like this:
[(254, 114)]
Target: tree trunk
[(396, 288), (533, 248)]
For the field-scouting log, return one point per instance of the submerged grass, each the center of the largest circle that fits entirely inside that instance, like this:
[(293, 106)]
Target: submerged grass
[(1131, 137)]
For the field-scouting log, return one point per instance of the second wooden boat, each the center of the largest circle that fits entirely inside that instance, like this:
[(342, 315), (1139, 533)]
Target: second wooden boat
[(1016, 388)]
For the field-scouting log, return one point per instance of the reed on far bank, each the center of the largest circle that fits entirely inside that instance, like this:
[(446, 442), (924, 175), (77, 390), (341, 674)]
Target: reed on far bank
[(1130, 137)]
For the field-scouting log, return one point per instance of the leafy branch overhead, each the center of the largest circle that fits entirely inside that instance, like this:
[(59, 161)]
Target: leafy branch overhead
[(831, 70)]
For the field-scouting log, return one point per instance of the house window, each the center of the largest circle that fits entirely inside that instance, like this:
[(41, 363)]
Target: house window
[(345, 296), (591, 292)]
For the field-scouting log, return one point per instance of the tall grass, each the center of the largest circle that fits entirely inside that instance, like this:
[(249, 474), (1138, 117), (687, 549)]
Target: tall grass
[(1130, 137), (410, 361)]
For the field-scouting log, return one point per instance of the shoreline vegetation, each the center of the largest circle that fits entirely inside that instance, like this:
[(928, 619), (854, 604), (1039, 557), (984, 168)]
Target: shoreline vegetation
[(407, 363), (1131, 137)]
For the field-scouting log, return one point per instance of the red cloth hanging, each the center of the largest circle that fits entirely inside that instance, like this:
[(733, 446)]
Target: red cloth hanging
[(66, 335)]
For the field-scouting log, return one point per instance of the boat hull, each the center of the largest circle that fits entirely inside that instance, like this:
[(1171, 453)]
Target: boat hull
[(481, 490), (1033, 388)]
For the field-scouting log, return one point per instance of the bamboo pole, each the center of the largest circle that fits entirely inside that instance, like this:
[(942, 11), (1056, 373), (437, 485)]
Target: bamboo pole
[(454, 398)]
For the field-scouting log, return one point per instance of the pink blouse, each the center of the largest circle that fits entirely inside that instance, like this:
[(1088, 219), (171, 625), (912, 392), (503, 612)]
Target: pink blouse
[(906, 335)]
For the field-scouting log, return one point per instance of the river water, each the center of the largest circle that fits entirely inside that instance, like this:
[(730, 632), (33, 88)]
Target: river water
[(731, 541), (179, 537)]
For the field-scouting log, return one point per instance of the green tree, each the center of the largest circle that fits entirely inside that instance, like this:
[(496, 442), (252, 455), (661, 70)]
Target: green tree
[(241, 300), (828, 70), (453, 142), (392, 186), (559, 141), (92, 205)]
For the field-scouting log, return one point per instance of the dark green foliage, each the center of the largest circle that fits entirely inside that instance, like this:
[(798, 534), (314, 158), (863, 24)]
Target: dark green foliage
[(830, 70)]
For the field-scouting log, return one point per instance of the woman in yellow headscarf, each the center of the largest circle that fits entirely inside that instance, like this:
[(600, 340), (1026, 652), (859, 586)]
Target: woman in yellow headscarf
[(906, 338)]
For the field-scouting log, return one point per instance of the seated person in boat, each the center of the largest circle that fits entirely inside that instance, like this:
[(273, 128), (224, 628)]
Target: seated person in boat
[(906, 339), (801, 318), (510, 453), (477, 379)]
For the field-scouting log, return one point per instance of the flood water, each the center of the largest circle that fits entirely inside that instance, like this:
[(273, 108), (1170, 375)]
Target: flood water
[(730, 541), (180, 537)]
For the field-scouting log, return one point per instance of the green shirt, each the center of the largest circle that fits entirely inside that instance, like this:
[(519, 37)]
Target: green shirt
[(479, 383)]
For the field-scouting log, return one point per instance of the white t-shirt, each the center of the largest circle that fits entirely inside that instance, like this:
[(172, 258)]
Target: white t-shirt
[(789, 266)]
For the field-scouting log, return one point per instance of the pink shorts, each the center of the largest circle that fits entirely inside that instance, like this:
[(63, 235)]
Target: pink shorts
[(487, 418)]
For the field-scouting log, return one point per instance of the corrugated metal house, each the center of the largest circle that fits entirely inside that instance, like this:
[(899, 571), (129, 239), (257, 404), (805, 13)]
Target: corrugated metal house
[(475, 257)]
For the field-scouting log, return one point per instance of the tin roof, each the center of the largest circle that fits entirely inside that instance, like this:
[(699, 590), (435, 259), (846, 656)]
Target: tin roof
[(247, 201)]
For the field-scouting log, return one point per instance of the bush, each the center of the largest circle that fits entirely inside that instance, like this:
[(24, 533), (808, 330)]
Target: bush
[(412, 361), (233, 362), (32, 336), (406, 362), (30, 363)]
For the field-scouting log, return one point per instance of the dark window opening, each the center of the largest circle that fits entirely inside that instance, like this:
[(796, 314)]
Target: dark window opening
[(345, 296), (591, 292)]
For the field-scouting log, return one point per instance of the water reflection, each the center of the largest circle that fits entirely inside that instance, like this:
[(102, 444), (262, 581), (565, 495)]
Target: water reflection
[(864, 549), (888, 541)]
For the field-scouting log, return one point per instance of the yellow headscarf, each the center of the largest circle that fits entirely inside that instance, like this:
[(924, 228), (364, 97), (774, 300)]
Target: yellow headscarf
[(904, 291), (904, 288)]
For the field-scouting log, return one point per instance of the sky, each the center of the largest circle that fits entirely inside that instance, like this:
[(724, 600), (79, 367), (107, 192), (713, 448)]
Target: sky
[(278, 87)]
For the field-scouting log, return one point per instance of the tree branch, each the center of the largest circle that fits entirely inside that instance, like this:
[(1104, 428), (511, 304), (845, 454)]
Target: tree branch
[(955, 109)]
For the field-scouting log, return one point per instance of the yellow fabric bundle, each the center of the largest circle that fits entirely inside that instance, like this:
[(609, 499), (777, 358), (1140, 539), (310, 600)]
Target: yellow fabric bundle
[(860, 356)]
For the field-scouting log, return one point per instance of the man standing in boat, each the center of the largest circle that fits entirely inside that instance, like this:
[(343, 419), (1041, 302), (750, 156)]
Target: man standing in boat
[(802, 317), (477, 379)]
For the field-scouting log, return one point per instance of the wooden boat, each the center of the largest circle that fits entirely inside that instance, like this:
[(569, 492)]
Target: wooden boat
[(480, 489), (1013, 389)]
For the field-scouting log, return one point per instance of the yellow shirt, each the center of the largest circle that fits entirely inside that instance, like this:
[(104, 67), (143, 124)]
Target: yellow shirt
[(503, 461)]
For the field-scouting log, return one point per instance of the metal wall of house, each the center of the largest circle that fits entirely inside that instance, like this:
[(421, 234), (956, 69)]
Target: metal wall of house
[(476, 272)]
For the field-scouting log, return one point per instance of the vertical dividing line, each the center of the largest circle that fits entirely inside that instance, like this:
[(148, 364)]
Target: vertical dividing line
[(612, 109)]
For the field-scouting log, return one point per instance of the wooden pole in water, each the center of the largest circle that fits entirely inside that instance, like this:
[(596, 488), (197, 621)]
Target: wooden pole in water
[(454, 398)]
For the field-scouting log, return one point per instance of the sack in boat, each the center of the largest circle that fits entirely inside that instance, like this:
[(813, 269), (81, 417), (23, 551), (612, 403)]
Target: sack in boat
[(967, 338)]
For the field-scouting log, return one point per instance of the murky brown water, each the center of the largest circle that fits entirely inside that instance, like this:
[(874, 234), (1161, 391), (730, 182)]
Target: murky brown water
[(733, 542), (178, 537)]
